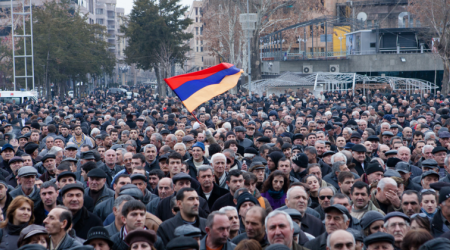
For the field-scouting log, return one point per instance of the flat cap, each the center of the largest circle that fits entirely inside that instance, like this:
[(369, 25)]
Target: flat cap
[(69, 159), (428, 173), (387, 133), (240, 129), (72, 186), (71, 146), (403, 167), (138, 177), (31, 147), (48, 156), (97, 173), (430, 163), (379, 237), (27, 171), (187, 230), (182, 243), (359, 148), (370, 217), (181, 176), (396, 214), (15, 159), (264, 139), (141, 235), (66, 174), (256, 165), (438, 149), (187, 138), (391, 152), (373, 138), (88, 155)]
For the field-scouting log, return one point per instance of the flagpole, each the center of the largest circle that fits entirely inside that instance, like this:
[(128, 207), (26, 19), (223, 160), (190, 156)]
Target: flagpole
[(196, 118)]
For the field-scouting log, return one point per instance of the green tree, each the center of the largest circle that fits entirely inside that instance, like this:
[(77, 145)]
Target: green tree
[(156, 37), (67, 47)]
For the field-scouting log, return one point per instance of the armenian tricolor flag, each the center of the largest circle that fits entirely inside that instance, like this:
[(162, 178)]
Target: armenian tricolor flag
[(195, 88)]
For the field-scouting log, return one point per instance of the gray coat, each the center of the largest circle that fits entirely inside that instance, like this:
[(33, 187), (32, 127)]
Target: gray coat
[(68, 243), (35, 197), (104, 208)]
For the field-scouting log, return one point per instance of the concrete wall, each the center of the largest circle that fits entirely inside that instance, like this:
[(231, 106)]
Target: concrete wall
[(366, 63)]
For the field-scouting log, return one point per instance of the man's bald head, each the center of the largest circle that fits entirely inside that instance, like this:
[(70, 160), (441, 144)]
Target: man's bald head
[(165, 187), (340, 239)]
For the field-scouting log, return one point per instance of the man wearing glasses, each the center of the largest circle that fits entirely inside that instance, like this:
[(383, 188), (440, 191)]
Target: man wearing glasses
[(397, 224)]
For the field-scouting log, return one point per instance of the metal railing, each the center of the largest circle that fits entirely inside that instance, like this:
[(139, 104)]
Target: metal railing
[(284, 56), (111, 16), (111, 27), (390, 51)]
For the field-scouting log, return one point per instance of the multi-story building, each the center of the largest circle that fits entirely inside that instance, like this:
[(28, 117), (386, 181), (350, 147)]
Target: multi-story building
[(198, 58)]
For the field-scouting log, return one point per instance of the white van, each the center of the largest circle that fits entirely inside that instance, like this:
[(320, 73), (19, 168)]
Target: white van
[(17, 97)]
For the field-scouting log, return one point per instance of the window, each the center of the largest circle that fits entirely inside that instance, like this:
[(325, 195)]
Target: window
[(196, 19), (99, 21), (99, 11), (197, 49), (201, 30), (196, 30), (373, 45), (201, 49), (202, 58), (196, 11)]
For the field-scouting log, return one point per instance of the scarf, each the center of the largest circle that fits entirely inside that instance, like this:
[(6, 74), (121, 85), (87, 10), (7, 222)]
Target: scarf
[(16, 229), (276, 194)]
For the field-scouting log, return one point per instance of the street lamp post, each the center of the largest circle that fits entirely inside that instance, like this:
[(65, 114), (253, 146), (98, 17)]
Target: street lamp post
[(248, 23)]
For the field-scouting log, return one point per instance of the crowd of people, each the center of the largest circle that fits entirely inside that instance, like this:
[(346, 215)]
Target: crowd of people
[(292, 171)]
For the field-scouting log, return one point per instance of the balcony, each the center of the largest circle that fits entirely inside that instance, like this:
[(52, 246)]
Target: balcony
[(111, 7), (111, 17), (111, 27)]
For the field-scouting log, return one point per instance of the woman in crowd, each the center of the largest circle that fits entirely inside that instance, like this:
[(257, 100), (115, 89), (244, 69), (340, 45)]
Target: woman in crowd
[(275, 189), (34, 234), (18, 216), (141, 239), (313, 183)]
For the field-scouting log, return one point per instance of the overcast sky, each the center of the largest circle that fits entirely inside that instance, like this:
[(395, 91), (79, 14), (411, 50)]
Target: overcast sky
[(128, 4)]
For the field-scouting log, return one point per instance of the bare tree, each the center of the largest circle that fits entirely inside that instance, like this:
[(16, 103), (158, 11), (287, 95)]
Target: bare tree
[(435, 14)]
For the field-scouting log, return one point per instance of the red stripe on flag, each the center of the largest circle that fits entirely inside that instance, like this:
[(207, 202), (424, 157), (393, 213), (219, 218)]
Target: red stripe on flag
[(177, 81)]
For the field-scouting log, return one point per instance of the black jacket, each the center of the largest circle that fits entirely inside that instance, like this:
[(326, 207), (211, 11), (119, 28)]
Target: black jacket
[(192, 168), (319, 243), (413, 185), (106, 193), (437, 224), (226, 200), (68, 243), (216, 193), (39, 212), (164, 212), (319, 209), (312, 225), (167, 229), (85, 221), (243, 236), (358, 166), (155, 165), (110, 173)]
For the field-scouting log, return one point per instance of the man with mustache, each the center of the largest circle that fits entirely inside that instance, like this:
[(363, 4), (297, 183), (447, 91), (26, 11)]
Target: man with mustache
[(188, 202), (337, 217), (280, 230), (397, 224), (83, 220)]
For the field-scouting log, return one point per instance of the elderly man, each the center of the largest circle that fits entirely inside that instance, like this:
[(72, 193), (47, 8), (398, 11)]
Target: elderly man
[(325, 194), (110, 167), (280, 230), (26, 178), (151, 157), (73, 199), (379, 241), (219, 163), (58, 222), (341, 239), (404, 154), (359, 158), (97, 186), (404, 169), (397, 224), (386, 197), (337, 217), (297, 198)]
